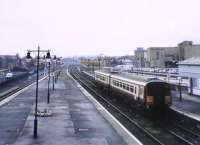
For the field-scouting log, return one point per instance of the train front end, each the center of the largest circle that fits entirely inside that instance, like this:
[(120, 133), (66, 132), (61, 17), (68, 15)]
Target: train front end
[(158, 95)]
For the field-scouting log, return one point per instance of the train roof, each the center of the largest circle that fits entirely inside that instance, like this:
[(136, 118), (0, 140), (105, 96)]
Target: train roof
[(139, 79)]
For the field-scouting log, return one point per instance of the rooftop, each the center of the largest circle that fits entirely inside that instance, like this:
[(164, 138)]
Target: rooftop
[(131, 76), (190, 61)]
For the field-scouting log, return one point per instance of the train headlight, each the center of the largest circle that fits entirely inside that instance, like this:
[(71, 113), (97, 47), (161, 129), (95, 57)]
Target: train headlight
[(150, 100), (167, 100)]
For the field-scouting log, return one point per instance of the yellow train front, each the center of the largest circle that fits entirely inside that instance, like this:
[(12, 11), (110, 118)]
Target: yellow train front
[(151, 93)]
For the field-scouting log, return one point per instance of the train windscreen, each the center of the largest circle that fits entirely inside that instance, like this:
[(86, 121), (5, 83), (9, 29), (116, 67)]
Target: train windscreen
[(158, 90)]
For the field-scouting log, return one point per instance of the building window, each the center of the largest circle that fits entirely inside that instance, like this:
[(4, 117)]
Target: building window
[(157, 55)]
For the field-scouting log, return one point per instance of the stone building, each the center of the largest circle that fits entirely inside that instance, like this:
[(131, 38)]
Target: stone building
[(141, 57), (169, 56), (155, 56), (187, 50), (163, 56)]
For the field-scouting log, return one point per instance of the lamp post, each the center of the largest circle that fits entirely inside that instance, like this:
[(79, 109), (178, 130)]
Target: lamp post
[(49, 72), (37, 79), (54, 60), (48, 94), (191, 86)]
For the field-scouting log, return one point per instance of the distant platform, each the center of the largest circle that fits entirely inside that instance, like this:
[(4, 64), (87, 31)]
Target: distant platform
[(189, 106)]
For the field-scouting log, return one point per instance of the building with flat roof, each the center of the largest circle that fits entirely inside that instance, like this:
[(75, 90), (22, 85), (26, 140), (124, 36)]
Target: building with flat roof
[(187, 50), (162, 56), (169, 56)]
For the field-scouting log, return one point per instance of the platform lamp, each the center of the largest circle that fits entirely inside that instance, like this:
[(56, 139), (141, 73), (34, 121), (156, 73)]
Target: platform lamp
[(28, 57)]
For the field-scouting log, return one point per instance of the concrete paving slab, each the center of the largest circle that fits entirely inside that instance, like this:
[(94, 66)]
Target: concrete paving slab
[(14, 112)]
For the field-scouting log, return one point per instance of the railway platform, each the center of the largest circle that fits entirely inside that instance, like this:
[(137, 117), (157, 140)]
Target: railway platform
[(74, 119), (189, 105)]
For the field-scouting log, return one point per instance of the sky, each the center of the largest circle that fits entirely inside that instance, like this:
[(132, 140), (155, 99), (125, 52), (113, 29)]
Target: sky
[(93, 27)]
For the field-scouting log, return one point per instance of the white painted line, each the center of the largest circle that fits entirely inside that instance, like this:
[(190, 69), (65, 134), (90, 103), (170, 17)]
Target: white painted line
[(17, 93), (128, 137), (189, 114)]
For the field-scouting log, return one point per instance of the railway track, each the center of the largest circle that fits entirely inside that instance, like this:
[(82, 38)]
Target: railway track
[(13, 90), (146, 131), (184, 128), (190, 129), (191, 137)]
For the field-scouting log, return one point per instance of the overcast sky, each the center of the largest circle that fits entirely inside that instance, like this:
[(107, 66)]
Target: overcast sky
[(92, 27)]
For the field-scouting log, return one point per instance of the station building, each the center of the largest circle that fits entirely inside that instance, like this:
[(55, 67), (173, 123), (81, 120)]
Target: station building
[(191, 68)]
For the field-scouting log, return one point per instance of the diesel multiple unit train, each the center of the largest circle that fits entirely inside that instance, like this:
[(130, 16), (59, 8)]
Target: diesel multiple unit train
[(150, 92)]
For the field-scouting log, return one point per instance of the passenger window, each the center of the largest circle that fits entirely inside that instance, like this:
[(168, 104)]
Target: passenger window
[(135, 90), (117, 83), (124, 86), (131, 89), (120, 84), (127, 87), (113, 82)]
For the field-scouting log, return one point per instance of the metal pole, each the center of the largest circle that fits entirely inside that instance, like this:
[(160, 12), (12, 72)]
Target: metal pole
[(48, 96), (36, 98), (191, 86), (109, 86), (53, 78), (180, 91)]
